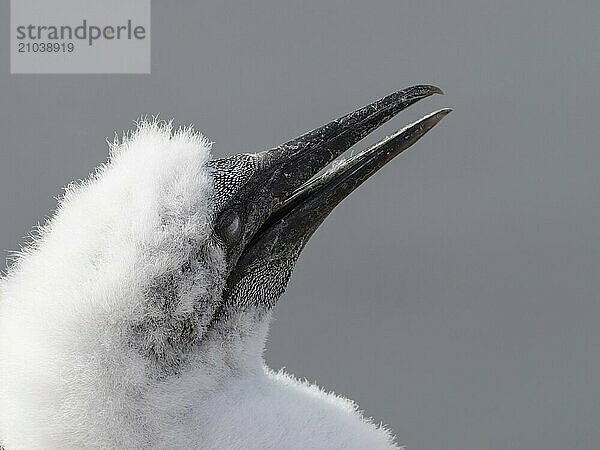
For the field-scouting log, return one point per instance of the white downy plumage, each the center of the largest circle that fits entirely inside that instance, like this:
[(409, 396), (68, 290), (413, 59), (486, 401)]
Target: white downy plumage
[(74, 314)]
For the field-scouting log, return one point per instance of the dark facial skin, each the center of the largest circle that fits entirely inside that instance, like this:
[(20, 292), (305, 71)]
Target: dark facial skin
[(270, 203)]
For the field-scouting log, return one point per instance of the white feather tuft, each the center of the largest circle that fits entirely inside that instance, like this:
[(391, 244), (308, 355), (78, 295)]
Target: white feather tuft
[(78, 326)]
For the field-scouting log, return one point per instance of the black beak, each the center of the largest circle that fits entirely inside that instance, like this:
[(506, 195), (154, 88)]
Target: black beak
[(294, 202)]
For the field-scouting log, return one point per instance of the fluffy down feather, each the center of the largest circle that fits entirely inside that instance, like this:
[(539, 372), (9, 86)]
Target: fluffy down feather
[(85, 333)]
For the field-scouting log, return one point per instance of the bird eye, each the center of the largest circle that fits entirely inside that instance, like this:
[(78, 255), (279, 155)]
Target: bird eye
[(230, 227)]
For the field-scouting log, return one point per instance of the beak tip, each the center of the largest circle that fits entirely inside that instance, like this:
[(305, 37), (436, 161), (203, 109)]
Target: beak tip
[(435, 117), (425, 90), (436, 90)]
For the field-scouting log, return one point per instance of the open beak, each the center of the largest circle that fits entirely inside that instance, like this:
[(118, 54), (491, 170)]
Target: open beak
[(294, 201)]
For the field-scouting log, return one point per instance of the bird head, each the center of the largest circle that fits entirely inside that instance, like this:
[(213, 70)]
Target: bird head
[(165, 262), (268, 204)]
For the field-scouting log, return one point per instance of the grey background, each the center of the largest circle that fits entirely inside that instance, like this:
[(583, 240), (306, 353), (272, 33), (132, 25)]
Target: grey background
[(454, 296)]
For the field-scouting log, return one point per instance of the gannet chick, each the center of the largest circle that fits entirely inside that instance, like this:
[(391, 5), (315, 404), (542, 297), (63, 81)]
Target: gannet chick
[(138, 317)]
